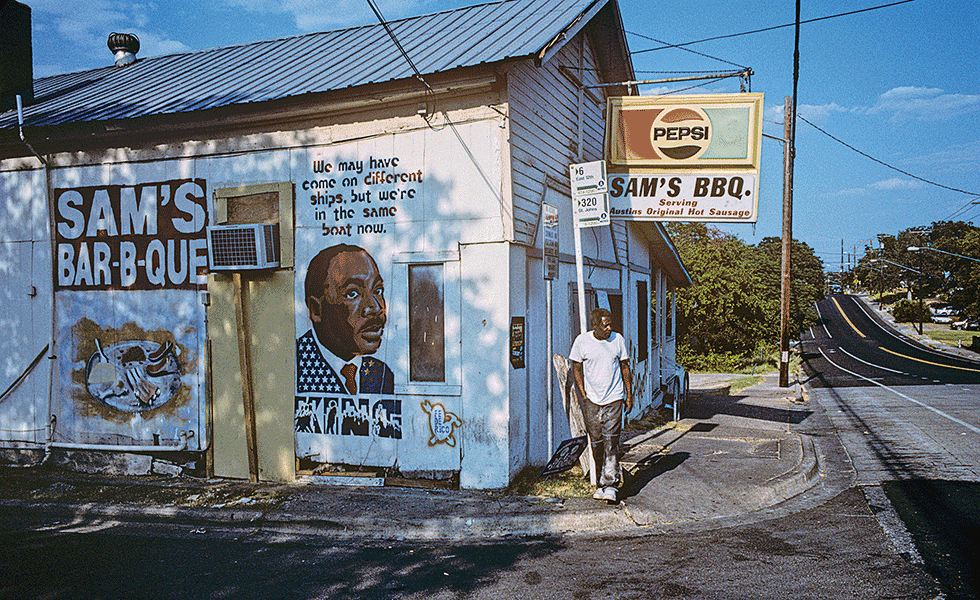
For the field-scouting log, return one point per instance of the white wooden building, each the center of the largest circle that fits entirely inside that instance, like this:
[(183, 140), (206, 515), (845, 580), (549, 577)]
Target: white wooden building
[(123, 346)]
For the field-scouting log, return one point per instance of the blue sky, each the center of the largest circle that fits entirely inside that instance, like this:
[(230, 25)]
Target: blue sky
[(901, 83)]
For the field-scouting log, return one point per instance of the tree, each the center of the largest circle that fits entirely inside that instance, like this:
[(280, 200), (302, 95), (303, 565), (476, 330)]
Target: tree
[(725, 311), (807, 281), (734, 305), (961, 285), (953, 278)]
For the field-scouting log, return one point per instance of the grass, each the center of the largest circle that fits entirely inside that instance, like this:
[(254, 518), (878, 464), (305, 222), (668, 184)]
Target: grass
[(573, 483), (570, 484), (740, 383), (950, 337)]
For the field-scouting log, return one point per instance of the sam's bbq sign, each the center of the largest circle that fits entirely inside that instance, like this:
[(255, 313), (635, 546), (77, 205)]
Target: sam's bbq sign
[(134, 237)]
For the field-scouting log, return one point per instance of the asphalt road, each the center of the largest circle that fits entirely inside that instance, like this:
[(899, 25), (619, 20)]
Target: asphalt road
[(851, 347), (835, 550), (909, 418)]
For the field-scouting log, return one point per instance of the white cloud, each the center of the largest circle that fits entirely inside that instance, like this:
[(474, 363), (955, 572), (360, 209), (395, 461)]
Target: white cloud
[(897, 183), (886, 185), (320, 15), (924, 104), (86, 27), (818, 112), (851, 192), (657, 91), (904, 103), (962, 158)]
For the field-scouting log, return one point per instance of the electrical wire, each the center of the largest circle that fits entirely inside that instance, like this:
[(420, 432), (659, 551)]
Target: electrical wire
[(883, 163), (391, 34), (971, 203), (764, 29), (430, 92), (681, 47)]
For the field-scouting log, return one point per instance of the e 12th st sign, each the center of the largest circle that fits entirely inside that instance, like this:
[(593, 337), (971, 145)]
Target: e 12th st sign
[(590, 202)]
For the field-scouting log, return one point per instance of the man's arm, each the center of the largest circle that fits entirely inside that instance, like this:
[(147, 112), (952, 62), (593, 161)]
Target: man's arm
[(579, 375), (624, 369)]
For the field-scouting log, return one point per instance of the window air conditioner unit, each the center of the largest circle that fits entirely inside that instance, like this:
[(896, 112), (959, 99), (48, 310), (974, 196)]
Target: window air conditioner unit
[(243, 247)]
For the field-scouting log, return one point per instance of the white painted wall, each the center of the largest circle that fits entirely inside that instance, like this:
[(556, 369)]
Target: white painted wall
[(25, 293), (486, 400)]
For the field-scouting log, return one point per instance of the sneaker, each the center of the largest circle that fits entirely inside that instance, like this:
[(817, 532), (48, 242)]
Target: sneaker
[(599, 494), (608, 494)]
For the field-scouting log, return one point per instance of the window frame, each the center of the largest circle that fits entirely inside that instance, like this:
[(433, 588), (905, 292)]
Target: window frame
[(642, 320), (398, 304)]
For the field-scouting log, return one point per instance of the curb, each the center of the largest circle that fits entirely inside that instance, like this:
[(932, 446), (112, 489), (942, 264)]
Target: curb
[(800, 478), (598, 520), (601, 520), (521, 517)]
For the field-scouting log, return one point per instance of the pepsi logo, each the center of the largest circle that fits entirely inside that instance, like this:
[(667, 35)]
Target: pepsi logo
[(681, 133)]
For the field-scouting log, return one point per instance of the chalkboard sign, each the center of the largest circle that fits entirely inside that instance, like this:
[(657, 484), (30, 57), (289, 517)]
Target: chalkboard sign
[(566, 456), (517, 342), (549, 217)]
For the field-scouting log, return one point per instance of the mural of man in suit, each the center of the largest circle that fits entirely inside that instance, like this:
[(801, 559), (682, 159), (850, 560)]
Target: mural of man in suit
[(345, 296)]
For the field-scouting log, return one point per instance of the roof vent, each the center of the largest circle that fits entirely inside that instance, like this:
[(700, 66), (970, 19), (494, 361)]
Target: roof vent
[(124, 46)]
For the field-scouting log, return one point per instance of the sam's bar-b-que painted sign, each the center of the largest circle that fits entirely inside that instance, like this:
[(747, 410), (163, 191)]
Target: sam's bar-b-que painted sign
[(684, 158), (137, 237)]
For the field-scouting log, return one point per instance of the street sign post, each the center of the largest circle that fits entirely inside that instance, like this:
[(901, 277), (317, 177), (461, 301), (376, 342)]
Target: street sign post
[(590, 208)]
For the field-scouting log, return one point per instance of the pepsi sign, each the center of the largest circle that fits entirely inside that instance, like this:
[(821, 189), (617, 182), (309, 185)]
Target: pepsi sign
[(709, 131)]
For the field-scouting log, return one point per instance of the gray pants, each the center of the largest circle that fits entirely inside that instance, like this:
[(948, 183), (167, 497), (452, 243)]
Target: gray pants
[(604, 424)]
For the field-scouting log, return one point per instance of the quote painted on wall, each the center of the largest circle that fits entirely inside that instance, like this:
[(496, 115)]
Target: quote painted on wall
[(355, 198)]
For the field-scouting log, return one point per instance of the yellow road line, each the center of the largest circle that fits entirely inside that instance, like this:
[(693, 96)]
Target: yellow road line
[(856, 330), (928, 362)]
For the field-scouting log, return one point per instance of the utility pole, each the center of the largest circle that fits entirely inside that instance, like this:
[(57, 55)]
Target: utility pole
[(787, 245), (842, 265), (790, 154)]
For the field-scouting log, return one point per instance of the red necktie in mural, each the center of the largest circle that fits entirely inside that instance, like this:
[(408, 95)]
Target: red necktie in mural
[(348, 371)]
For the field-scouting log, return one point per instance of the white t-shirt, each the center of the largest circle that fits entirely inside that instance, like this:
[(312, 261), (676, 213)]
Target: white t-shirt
[(600, 365)]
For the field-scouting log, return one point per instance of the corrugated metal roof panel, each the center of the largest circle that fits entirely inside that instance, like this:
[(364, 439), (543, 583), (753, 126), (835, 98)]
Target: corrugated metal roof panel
[(317, 62)]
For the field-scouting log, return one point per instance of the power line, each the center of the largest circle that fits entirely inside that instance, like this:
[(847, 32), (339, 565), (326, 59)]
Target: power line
[(883, 163), (971, 203), (391, 34), (681, 47), (764, 29), (430, 92)]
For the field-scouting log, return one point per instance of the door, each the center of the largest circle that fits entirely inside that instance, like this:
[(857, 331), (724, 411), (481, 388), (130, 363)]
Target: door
[(254, 413)]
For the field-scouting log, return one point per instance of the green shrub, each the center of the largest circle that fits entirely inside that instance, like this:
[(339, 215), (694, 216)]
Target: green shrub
[(907, 311), (712, 362)]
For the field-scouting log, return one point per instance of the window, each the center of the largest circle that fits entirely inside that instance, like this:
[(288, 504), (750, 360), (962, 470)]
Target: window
[(424, 320), (590, 303), (426, 323), (614, 304), (642, 312)]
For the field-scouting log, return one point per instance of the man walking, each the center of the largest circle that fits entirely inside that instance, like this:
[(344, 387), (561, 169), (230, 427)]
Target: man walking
[(600, 364)]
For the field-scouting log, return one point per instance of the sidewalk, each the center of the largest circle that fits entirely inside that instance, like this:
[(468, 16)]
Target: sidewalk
[(730, 455)]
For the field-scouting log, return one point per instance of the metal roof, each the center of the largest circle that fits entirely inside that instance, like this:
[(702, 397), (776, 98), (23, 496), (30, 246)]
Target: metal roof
[(305, 64)]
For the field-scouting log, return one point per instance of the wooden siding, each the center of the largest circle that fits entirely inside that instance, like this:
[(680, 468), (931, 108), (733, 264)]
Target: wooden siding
[(544, 129)]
